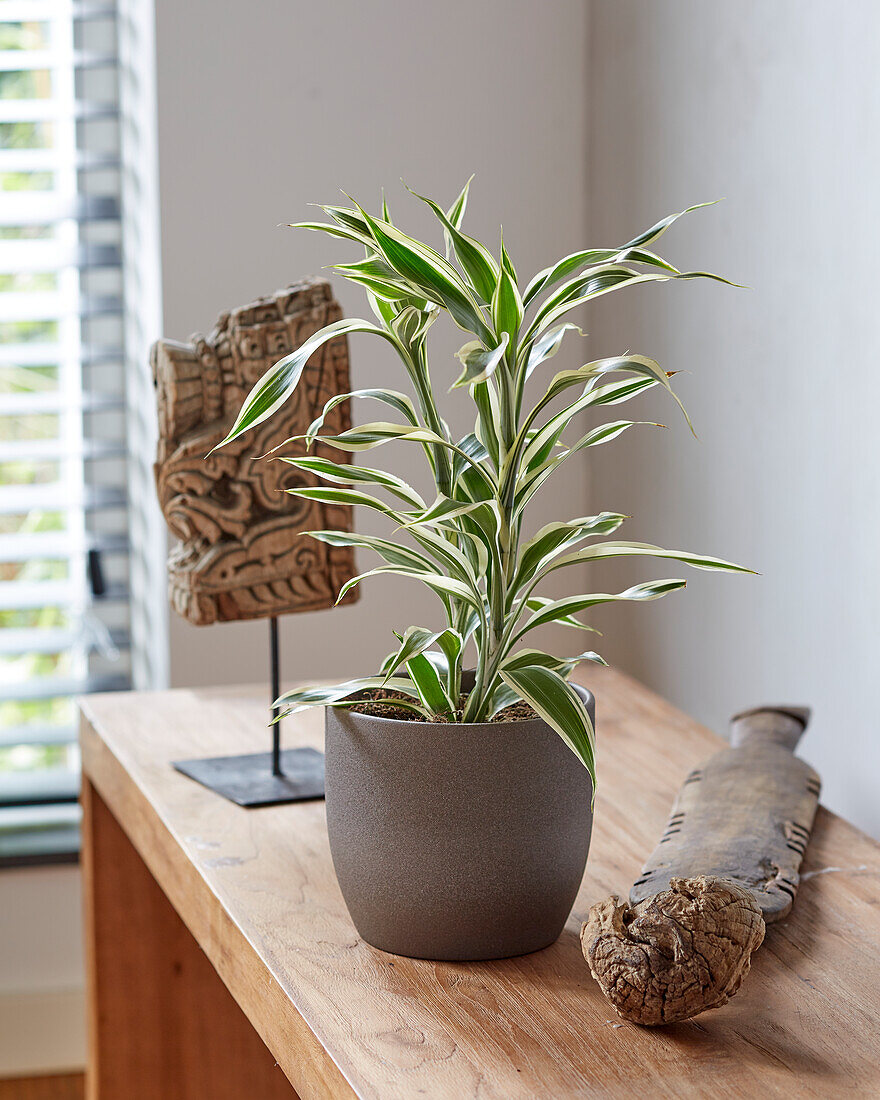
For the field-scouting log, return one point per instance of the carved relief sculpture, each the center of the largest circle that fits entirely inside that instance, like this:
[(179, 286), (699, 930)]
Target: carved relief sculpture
[(241, 554)]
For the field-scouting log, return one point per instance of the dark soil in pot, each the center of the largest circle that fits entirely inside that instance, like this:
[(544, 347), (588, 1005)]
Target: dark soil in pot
[(380, 702), (456, 841)]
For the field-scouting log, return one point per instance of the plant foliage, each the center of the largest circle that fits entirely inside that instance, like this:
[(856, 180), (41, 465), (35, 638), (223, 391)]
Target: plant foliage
[(467, 545)]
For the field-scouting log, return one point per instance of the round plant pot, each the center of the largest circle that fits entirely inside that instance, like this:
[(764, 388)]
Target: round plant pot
[(456, 841)]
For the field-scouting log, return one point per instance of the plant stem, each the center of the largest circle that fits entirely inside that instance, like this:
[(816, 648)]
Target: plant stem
[(421, 378), (493, 649)]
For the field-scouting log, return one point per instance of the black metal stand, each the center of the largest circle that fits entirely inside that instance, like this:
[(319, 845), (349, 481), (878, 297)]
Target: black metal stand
[(263, 778), (276, 692)]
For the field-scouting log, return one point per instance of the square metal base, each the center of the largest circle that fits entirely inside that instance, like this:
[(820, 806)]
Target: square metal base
[(248, 780)]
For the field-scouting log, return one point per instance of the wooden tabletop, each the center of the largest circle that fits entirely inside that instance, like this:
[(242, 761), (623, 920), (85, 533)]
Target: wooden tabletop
[(256, 889)]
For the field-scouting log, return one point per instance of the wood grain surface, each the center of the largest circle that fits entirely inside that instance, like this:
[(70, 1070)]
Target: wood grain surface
[(744, 814), (62, 1086), (257, 891), (161, 1022)]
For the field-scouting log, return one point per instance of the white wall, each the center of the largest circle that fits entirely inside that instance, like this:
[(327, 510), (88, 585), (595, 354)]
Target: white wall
[(267, 106), (775, 107), (42, 1020)]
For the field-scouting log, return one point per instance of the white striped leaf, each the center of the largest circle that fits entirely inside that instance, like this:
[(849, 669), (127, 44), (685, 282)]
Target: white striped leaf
[(279, 382), (341, 695), (479, 363), (536, 603), (430, 687), (427, 270), (393, 398), (507, 310), (644, 549), (443, 586), (507, 264), (579, 261), (443, 508), (343, 473), (556, 538), (561, 708), (547, 345), (475, 260), (391, 552), (367, 436), (416, 639), (657, 231), (562, 610), (326, 494)]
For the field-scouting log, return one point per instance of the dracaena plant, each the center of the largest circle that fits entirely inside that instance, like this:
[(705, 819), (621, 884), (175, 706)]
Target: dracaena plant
[(468, 544)]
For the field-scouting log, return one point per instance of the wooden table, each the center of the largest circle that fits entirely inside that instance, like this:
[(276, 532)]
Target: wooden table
[(223, 963)]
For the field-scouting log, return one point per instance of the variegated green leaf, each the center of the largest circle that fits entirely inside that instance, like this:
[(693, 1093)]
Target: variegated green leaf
[(343, 473), (562, 610), (537, 658), (430, 687), (368, 436), (561, 708), (475, 260), (383, 311), (444, 586), (375, 269), (279, 382), (657, 231), (644, 549), (605, 433), (416, 639), (394, 399), (615, 393), (591, 257), (555, 538), (352, 220), (326, 494), (488, 419), (448, 555), (427, 270), (546, 438), (391, 552), (411, 324), (536, 603), (455, 213), (507, 264), (341, 695), (547, 345), (572, 296), (479, 363), (507, 310), (331, 230), (502, 696), (537, 473), (443, 508)]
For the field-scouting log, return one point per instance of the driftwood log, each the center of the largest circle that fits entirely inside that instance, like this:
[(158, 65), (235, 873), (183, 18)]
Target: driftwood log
[(240, 554), (726, 865)]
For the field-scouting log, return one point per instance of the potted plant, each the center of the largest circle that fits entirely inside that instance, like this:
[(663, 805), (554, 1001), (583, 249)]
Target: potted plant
[(459, 803)]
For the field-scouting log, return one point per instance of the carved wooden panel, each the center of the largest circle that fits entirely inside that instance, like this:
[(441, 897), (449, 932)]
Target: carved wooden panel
[(241, 554)]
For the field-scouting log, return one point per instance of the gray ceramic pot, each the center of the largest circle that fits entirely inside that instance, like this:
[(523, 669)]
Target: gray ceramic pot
[(456, 841)]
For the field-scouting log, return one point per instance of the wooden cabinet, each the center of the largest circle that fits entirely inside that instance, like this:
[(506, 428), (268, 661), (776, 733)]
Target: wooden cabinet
[(223, 963)]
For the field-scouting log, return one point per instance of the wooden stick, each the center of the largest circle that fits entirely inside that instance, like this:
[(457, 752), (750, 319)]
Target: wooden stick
[(726, 865)]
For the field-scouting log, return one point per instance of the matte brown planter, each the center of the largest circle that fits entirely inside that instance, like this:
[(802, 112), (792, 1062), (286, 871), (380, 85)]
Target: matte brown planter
[(459, 841)]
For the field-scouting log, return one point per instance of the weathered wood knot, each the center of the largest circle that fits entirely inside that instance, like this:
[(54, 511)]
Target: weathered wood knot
[(680, 952)]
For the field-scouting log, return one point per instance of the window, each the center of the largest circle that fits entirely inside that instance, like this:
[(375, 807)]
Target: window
[(65, 422)]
